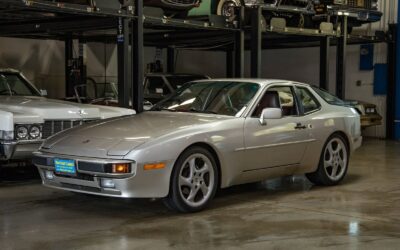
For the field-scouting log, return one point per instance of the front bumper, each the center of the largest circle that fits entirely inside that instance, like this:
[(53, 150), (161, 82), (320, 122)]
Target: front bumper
[(137, 184), (12, 150), (371, 120)]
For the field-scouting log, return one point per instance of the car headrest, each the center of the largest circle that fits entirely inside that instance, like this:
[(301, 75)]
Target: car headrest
[(269, 100)]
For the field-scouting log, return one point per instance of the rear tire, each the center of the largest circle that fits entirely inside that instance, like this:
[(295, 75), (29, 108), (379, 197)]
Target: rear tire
[(333, 163), (194, 181)]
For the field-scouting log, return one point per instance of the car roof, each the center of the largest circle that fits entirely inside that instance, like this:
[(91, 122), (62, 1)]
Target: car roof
[(9, 70), (262, 82)]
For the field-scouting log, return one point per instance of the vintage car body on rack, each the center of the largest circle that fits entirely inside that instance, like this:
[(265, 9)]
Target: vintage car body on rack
[(27, 118)]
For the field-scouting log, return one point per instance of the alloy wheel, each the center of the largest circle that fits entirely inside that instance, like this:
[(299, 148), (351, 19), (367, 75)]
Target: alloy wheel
[(196, 180), (335, 159)]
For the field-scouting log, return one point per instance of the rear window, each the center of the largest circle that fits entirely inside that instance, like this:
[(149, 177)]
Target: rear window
[(328, 97)]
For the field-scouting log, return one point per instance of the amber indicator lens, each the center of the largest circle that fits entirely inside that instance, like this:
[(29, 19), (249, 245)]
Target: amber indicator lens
[(154, 166), (121, 168)]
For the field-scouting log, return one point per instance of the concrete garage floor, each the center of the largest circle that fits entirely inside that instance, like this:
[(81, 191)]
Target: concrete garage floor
[(362, 213)]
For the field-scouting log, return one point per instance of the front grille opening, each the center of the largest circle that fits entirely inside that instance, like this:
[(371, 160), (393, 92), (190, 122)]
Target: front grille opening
[(51, 127), (80, 187), (367, 4), (79, 176)]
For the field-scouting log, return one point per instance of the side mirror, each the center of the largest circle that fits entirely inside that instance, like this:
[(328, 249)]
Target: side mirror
[(270, 113), (43, 92)]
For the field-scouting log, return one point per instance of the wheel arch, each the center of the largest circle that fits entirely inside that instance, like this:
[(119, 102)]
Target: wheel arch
[(212, 150), (345, 137)]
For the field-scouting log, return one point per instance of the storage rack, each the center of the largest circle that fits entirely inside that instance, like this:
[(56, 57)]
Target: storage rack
[(39, 19)]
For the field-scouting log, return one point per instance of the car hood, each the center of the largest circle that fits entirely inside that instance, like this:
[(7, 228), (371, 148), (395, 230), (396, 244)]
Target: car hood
[(25, 108), (119, 136)]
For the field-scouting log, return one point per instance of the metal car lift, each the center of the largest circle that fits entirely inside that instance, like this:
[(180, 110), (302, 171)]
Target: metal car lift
[(127, 26)]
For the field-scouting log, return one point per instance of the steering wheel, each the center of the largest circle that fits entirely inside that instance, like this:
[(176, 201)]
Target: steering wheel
[(8, 91)]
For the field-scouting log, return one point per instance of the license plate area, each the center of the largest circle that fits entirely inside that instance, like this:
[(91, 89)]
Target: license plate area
[(65, 167)]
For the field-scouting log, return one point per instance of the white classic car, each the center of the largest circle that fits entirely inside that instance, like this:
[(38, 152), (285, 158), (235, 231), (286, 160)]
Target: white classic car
[(27, 118)]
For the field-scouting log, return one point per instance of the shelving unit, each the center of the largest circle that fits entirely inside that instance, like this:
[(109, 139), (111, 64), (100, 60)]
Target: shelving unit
[(39, 19)]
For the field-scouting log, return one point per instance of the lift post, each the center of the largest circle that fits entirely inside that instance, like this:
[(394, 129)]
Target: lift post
[(138, 57), (397, 83), (170, 60), (391, 91), (341, 59), (124, 69), (69, 85), (239, 44), (229, 63), (324, 63), (256, 40)]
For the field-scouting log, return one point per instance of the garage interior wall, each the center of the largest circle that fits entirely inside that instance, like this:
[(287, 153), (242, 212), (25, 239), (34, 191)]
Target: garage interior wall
[(43, 63)]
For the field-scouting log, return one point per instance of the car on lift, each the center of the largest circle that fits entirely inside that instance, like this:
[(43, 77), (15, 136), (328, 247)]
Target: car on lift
[(170, 7), (298, 13), (157, 86), (27, 118), (207, 135)]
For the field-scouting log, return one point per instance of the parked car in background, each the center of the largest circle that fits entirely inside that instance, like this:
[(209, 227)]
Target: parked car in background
[(369, 114), (157, 86), (27, 117), (207, 135)]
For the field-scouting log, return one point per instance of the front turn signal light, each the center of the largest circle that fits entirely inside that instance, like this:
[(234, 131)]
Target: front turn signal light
[(154, 166), (121, 168)]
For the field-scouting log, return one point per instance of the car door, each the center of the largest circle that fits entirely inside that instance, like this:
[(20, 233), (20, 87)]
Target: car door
[(280, 142)]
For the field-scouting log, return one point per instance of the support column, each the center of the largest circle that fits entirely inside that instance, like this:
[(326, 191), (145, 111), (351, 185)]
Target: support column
[(341, 60), (391, 91), (82, 62), (138, 58), (170, 60), (124, 80), (239, 45), (397, 85), (69, 86), (256, 39), (324, 63), (229, 64)]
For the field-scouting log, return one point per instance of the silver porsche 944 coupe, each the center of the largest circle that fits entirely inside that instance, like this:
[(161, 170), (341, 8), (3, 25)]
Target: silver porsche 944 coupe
[(209, 134)]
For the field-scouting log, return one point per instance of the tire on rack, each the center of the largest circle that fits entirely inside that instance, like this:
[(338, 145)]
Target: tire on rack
[(333, 163), (194, 181), (225, 8)]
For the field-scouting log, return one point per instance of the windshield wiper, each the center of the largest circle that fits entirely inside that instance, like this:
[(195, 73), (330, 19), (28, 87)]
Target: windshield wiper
[(164, 109), (202, 111)]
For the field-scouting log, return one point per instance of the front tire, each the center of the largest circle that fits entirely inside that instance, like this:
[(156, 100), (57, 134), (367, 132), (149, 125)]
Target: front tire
[(333, 163), (194, 181)]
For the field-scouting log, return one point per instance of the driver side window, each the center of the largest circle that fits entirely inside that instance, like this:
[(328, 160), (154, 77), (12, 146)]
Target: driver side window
[(278, 97)]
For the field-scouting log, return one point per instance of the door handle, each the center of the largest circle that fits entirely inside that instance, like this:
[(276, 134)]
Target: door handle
[(300, 126)]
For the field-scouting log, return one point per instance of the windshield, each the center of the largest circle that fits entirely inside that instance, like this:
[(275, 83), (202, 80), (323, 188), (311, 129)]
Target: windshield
[(178, 81), (216, 97), (329, 98), (14, 85)]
